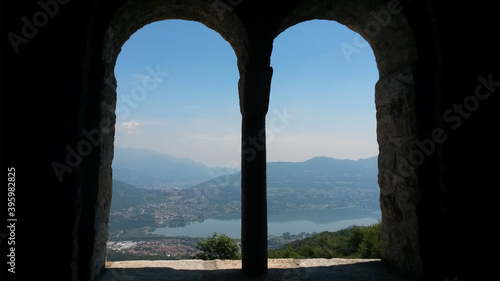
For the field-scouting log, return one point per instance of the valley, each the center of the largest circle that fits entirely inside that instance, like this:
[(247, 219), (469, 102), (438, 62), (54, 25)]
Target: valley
[(320, 183)]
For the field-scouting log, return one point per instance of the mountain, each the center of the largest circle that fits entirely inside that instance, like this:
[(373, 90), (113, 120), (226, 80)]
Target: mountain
[(148, 169), (126, 210), (317, 184), (324, 172)]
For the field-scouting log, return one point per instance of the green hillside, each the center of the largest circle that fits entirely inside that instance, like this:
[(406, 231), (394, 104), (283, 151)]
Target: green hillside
[(353, 242)]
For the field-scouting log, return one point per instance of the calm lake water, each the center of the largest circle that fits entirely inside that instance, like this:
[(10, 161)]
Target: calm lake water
[(293, 222)]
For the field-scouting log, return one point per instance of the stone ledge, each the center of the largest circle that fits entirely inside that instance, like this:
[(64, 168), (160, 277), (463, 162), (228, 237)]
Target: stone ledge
[(279, 269)]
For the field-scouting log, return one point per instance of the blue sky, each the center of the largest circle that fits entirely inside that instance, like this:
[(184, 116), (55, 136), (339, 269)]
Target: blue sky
[(178, 94)]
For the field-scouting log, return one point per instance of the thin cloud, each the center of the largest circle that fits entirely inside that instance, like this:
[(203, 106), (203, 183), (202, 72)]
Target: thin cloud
[(128, 127)]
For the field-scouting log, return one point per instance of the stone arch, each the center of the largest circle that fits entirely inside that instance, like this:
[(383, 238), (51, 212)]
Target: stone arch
[(381, 23), (127, 19), (133, 15), (384, 26)]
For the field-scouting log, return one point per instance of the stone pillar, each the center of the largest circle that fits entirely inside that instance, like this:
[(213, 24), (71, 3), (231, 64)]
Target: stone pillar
[(399, 184), (254, 88)]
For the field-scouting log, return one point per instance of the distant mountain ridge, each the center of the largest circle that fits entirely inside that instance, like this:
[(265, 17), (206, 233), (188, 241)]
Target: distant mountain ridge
[(153, 170), (316, 184), (326, 172), (149, 169)]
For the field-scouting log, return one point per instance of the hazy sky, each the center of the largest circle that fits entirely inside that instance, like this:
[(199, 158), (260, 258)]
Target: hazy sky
[(178, 94)]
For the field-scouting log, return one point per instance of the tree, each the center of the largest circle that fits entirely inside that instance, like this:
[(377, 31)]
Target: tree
[(352, 242), (288, 253), (218, 247), (286, 235), (371, 244)]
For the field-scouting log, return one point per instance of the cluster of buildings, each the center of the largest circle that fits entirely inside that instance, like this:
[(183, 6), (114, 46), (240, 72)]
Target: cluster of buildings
[(168, 248), (168, 213)]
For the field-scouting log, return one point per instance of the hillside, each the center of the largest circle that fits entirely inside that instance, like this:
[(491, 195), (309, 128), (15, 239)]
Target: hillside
[(330, 183), (149, 169), (352, 242), (316, 184)]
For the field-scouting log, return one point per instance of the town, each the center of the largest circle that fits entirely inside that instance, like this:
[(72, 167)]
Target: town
[(160, 248), (157, 247)]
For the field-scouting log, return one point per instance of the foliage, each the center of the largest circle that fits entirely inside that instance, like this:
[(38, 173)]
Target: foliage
[(353, 242), (371, 245), (287, 252), (218, 247)]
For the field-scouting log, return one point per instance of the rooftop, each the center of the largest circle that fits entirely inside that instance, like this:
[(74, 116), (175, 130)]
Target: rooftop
[(279, 269)]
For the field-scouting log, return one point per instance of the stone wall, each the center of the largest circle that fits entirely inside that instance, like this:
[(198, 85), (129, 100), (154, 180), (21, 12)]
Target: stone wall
[(395, 50), (436, 137)]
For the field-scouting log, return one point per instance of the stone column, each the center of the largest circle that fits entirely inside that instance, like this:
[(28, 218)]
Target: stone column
[(254, 88)]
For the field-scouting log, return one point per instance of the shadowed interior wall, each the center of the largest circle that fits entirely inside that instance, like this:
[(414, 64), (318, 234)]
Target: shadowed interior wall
[(435, 98)]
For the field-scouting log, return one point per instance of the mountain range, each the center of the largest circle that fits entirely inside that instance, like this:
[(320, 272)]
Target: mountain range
[(319, 183), (152, 189), (153, 170)]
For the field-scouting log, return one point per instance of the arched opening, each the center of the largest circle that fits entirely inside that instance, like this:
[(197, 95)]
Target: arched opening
[(322, 118), (126, 20), (394, 49), (177, 126), (386, 30)]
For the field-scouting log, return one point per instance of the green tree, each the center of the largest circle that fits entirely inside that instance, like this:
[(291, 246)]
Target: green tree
[(354, 240), (218, 247), (287, 253), (371, 244)]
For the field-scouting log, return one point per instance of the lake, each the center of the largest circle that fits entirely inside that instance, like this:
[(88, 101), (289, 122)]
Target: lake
[(293, 222)]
